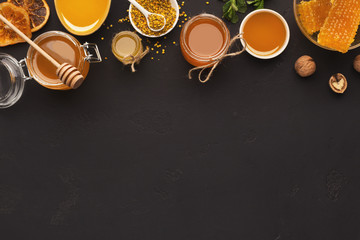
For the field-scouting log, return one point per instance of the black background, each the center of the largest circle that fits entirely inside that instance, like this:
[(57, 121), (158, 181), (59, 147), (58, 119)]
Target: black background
[(257, 153)]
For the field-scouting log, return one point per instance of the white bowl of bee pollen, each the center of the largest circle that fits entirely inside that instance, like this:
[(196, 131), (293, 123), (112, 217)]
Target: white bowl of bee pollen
[(266, 33), (174, 4)]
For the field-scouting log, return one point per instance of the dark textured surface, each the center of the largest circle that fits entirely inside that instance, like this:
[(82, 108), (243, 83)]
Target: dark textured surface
[(257, 153)]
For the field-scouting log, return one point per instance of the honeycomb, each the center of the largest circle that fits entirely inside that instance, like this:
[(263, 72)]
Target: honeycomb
[(341, 25), (313, 14)]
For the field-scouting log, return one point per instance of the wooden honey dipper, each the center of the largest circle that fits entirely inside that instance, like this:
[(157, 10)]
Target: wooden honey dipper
[(67, 73)]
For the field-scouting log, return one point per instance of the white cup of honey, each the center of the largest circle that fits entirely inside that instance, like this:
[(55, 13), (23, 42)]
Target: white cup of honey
[(265, 32)]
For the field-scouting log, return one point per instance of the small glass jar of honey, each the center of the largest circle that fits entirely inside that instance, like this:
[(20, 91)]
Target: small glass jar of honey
[(126, 46), (203, 39), (62, 47)]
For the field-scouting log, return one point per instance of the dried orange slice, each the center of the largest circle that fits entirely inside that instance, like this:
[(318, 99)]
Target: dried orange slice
[(38, 10), (17, 16)]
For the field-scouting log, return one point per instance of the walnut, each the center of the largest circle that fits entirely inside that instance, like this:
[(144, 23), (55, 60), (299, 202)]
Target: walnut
[(338, 83), (357, 63), (305, 66)]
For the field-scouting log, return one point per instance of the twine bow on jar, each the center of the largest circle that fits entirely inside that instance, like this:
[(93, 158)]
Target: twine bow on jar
[(130, 59), (131, 56), (217, 61)]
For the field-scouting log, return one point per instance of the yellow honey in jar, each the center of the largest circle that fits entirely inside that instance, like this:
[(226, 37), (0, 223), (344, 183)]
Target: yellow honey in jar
[(126, 46), (82, 17)]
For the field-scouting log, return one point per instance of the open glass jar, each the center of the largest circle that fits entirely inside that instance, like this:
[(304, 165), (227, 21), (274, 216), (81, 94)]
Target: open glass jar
[(203, 39), (61, 46)]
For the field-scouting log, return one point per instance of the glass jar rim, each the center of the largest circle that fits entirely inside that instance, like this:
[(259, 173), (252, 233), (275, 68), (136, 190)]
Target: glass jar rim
[(225, 30)]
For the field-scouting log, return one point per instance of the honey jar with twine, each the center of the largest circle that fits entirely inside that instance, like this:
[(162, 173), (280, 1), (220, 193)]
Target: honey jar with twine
[(205, 41), (128, 48)]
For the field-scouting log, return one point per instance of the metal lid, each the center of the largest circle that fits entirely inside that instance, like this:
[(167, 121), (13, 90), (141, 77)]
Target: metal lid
[(12, 80)]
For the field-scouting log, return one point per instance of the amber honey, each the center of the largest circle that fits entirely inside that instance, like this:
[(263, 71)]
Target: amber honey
[(82, 17), (203, 39), (265, 33), (63, 49)]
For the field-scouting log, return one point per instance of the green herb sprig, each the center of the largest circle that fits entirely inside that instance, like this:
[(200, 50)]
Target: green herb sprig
[(232, 7), (258, 4)]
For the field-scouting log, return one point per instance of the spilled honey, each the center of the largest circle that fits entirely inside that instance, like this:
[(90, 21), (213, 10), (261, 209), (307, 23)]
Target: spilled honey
[(82, 17), (264, 33)]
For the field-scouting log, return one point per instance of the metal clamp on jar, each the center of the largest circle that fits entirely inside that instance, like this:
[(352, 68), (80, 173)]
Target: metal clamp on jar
[(62, 47)]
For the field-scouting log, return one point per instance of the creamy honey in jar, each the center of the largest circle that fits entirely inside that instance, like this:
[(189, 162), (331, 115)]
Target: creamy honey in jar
[(62, 47)]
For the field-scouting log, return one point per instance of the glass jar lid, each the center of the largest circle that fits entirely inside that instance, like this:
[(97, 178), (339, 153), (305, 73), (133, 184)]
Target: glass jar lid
[(12, 80)]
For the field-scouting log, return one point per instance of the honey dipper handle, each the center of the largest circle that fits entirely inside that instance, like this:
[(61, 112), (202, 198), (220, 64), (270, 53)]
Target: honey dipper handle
[(28, 40)]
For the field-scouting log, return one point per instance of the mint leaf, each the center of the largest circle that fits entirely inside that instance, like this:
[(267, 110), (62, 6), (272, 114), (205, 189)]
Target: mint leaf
[(258, 4), (232, 7), (235, 18), (229, 11), (261, 5), (242, 7)]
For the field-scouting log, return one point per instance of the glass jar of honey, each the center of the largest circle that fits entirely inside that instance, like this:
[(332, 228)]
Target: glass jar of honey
[(203, 39), (126, 46), (62, 47)]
